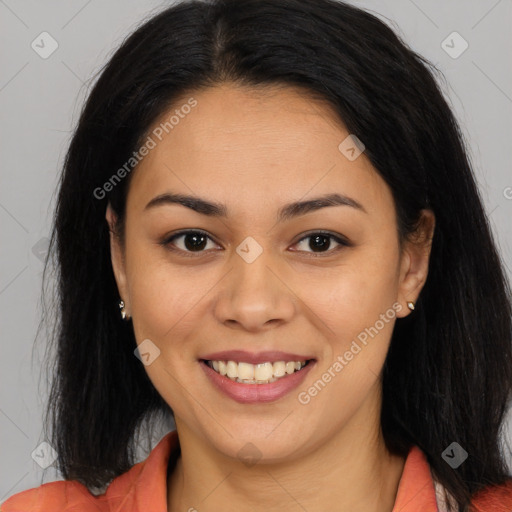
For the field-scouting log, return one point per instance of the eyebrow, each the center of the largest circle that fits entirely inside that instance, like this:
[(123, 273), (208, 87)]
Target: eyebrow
[(288, 211)]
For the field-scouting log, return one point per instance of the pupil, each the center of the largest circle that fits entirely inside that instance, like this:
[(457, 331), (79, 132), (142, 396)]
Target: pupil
[(319, 242), (194, 242)]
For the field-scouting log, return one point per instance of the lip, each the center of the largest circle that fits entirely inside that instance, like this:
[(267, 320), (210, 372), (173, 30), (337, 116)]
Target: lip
[(255, 358), (256, 393)]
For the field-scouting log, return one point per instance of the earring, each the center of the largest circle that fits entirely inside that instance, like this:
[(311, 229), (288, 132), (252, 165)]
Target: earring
[(124, 315), (410, 305)]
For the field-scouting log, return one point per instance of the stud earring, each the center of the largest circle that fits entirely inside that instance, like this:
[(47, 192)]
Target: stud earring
[(124, 315), (410, 305)]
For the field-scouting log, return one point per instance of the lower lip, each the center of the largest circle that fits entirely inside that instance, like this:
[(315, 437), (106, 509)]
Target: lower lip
[(256, 393)]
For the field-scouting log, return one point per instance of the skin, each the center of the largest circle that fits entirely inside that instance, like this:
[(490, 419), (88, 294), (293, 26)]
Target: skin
[(254, 151)]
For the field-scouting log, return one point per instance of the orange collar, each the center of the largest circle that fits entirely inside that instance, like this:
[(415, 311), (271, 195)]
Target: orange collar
[(144, 487), (416, 491)]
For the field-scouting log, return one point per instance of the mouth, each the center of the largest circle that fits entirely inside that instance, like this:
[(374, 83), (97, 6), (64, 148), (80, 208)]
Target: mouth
[(256, 374), (251, 378)]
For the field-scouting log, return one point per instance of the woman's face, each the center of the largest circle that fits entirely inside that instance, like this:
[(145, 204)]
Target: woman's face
[(263, 282)]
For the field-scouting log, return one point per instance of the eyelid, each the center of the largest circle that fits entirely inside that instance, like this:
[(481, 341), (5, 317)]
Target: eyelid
[(182, 232), (339, 239), (166, 242)]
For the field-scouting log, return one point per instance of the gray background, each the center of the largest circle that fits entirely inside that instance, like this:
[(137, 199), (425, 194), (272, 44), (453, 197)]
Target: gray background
[(40, 101)]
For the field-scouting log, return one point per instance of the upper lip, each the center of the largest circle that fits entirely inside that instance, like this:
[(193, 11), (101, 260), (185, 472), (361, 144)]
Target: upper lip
[(254, 357)]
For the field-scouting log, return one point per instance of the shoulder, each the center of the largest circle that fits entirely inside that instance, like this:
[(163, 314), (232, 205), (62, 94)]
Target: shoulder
[(497, 498), (145, 482), (56, 496)]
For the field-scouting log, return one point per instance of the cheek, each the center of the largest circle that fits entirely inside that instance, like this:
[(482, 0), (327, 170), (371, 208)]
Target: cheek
[(166, 304), (358, 309), (353, 295), (356, 302), (168, 301), (163, 299)]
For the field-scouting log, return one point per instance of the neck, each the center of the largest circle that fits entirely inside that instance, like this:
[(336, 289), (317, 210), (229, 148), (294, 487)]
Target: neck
[(351, 471)]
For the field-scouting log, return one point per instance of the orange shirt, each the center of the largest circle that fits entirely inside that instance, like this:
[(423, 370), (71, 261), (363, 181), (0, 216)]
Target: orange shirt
[(144, 489)]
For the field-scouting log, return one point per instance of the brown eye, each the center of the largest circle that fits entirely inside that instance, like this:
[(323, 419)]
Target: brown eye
[(188, 241), (320, 242)]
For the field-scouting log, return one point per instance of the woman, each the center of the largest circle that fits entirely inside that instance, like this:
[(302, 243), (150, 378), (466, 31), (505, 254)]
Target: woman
[(268, 227)]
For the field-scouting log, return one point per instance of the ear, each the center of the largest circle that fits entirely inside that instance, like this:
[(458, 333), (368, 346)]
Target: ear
[(414, 261), (117, 257)]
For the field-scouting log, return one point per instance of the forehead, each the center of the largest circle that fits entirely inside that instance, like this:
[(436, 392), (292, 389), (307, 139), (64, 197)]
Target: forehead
[(262, 144)]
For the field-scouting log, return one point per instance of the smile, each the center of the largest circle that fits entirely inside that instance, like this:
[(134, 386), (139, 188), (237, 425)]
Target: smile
[(261, 373), (268, 378)]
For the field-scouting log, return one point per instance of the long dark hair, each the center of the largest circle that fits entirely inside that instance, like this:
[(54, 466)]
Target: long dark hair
[(448, 373)]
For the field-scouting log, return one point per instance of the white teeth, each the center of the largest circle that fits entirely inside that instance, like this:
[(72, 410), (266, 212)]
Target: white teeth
[(232, 368), (245, 371), (262, 373), (279, 368)]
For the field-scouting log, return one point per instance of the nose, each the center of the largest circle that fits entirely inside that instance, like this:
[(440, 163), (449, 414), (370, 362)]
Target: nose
[(254, 296)]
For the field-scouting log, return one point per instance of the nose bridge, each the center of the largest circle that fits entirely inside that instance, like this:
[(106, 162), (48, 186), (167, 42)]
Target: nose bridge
[(254, 295), (252, 269)]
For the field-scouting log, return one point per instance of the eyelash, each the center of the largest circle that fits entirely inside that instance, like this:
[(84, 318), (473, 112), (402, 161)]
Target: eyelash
[(167, 243)]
